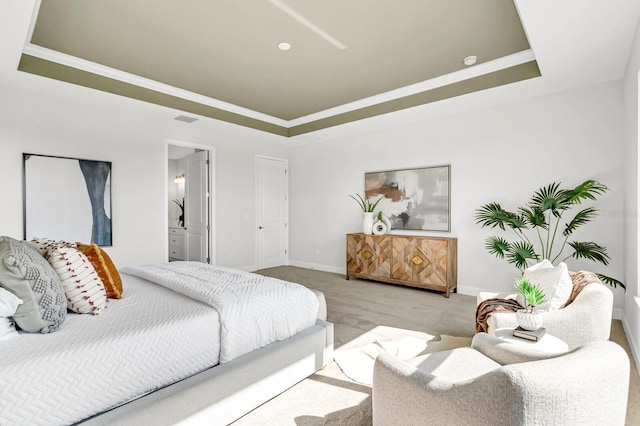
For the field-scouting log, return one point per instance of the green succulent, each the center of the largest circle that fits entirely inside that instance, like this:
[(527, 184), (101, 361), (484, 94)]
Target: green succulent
[(533, 294)]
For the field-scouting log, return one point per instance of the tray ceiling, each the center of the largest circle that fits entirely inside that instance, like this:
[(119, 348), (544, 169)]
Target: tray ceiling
[(348, 59)]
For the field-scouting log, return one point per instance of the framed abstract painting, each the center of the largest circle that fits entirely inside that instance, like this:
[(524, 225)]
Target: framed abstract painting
[(67, 199), (414, 199)]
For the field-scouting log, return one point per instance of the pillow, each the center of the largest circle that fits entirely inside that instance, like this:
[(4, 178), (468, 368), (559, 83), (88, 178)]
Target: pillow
[(8, 303), (555, 282), (7, 329), (26, 274), (105, 268), (41, 244), (83, 287)]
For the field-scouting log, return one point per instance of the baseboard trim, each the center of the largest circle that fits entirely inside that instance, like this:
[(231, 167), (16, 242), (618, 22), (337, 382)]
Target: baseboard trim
[(249, 268), (634, 344), (317, 266)]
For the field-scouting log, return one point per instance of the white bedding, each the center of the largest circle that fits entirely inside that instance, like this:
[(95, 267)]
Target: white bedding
[(150, 338), (254, 310)]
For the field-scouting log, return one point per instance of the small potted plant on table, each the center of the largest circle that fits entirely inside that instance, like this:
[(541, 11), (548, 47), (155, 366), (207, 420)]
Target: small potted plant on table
[(533, 295)]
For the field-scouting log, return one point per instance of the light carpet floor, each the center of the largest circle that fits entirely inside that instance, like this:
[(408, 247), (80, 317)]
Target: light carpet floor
[(366, 312)]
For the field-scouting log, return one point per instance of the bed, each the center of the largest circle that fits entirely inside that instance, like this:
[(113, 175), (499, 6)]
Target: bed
[(163, 355)]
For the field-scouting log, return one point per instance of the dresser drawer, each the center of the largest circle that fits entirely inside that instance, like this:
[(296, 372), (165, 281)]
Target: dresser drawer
[(176, 253), (176, 240), (176, 231)]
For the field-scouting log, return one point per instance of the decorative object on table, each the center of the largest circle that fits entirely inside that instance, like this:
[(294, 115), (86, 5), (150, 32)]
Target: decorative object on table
[(181, 217), (533, 296), (533, 335), (81, 208), (368, 208), (382, 225), (539, 221), (415, 199)]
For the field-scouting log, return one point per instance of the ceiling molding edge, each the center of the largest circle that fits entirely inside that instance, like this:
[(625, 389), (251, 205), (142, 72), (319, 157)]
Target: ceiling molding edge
[(54, 70)]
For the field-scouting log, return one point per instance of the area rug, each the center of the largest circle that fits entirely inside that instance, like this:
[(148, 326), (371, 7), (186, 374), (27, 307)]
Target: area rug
[(356, 359)]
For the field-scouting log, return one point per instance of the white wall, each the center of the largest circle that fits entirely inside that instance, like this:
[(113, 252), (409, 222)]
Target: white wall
[(631, 319), (66, 120), (501, 153)]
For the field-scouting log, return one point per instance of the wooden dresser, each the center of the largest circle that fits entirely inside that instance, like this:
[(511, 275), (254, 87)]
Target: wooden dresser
[(425, 262)]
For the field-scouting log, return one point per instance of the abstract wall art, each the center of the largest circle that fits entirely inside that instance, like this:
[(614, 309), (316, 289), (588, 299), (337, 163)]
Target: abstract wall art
[(67, 199), (414, 199)]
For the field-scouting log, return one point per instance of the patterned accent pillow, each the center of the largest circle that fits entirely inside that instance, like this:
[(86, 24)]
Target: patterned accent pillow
[(26, 274), (105, 268), (42, 244), (83, 287)]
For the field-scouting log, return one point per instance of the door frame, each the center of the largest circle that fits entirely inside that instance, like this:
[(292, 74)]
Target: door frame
[(212, 194), (286, 212)]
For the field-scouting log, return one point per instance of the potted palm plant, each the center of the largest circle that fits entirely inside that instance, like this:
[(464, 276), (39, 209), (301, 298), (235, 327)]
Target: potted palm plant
[(368, 207), (541, 229), (533, 296)]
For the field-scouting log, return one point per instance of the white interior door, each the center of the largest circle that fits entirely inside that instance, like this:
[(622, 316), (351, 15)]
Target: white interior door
[(196, 209), (272, 188)]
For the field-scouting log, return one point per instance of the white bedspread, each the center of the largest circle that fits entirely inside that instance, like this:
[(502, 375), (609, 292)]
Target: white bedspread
[(150, 338), (254, 310)]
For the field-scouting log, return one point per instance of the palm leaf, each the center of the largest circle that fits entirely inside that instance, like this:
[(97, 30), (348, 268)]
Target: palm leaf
[(612, 282), (519, 253), (534, 216), (492, 215), (591, 251), (587, 190), (582, 217), (551, 198), (497, 246), (516, 221)]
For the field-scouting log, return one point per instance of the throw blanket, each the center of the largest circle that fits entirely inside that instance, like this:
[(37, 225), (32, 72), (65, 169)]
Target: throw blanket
[(487, 307), (254, 310)]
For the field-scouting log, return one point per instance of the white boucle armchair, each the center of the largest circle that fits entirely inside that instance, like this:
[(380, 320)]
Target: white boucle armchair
[(586, 319), (496, 383)]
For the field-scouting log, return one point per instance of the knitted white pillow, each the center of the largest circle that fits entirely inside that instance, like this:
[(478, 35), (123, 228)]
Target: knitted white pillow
[(554, 281), (83, 287)]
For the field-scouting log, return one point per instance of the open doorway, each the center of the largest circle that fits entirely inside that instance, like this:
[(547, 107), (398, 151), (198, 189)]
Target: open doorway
[(190, 202)]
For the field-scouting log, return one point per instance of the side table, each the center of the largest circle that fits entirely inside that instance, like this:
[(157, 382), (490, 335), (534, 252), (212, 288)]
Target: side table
[(548, 343)]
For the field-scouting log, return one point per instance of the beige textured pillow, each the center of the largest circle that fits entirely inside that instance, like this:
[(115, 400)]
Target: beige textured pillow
[(555, 281), (82, 286)]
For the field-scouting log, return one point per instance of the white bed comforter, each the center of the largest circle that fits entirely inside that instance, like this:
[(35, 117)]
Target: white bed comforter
[(254, 310)]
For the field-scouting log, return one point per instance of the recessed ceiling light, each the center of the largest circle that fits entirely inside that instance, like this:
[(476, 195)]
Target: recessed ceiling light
[(284, 46), (470, 60)]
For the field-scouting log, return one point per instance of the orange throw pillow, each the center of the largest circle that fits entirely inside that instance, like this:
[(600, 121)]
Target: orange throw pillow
[(105, 268)]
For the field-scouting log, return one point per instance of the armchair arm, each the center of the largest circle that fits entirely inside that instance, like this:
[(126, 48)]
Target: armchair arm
[(406, 395), (586, 319), (504, 352)]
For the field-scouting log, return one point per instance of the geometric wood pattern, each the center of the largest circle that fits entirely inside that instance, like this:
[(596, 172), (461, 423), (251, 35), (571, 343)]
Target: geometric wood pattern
[(368, 255), (426, 262)]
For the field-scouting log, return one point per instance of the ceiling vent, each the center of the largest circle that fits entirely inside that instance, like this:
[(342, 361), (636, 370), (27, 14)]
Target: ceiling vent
[(185, 118)]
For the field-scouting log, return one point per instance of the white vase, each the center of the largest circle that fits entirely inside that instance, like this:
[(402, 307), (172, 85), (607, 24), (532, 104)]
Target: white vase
[(528, 320), (367, 223), (380, 228)]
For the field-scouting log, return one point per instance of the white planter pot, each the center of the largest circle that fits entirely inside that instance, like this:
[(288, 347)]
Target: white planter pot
[(367, 223), (529, 321)]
